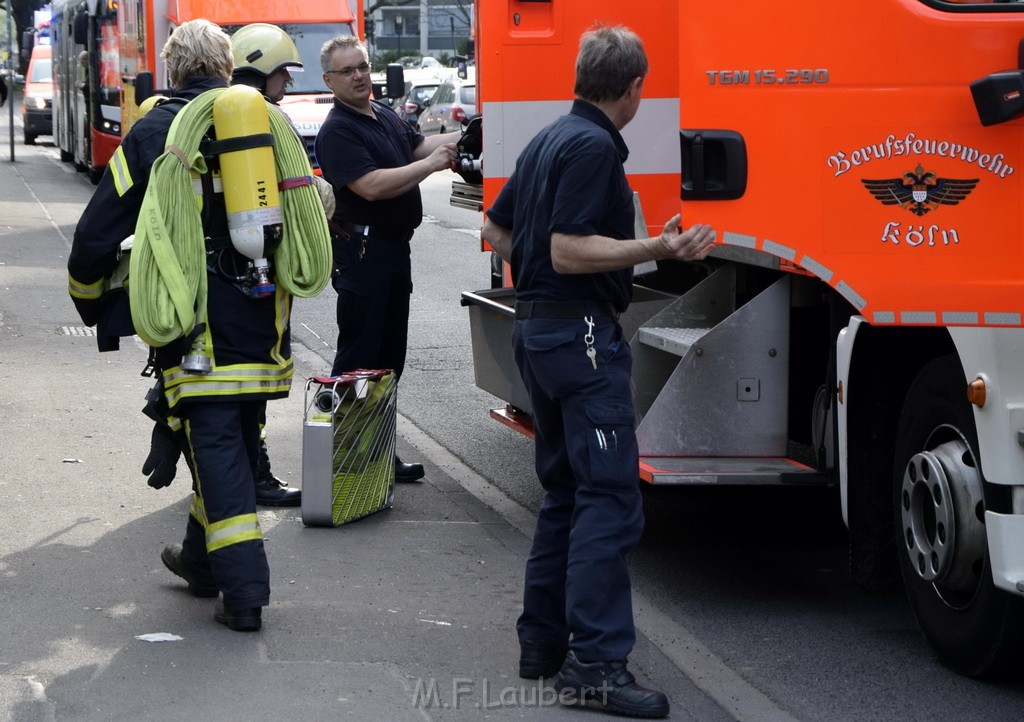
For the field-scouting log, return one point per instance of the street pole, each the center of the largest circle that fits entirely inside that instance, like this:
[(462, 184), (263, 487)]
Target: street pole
[(10, 78)]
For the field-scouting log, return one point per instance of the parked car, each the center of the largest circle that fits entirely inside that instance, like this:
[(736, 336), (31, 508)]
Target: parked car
[(415, 70), (37, 101), (415, 62), (410, 105), (453, 102)]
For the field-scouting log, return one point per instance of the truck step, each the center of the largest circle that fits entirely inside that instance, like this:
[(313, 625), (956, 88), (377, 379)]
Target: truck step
[(728, 471), (467, 196), (673, 340)]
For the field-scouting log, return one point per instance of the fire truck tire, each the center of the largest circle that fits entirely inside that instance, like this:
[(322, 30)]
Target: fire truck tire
[(30, 138), (939, 502), (94, 175), (65, 156)]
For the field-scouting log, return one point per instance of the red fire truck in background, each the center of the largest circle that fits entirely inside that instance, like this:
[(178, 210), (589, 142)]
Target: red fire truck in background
[(861, 323), (86, 92), (143, 26), (101, 48)]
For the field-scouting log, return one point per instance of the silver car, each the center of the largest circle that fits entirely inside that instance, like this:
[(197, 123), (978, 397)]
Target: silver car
[(453, 102)]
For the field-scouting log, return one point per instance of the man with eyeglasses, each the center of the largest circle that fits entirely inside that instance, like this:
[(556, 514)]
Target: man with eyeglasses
[(375, 161)]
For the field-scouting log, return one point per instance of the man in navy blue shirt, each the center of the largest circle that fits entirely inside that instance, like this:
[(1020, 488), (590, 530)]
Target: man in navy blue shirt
[(375, 161), (564, 221)]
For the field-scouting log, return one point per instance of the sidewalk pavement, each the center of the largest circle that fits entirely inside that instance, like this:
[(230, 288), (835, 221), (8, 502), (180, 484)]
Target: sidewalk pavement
[(405, 615)]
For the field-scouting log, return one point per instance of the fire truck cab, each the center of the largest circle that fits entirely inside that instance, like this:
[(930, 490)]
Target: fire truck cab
[(861, 322)]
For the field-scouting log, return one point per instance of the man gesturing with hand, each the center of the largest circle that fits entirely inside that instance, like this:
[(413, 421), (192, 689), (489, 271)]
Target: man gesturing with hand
[(564, 221)]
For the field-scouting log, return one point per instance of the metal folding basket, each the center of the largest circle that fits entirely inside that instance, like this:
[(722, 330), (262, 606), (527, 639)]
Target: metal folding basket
[(348, 446)]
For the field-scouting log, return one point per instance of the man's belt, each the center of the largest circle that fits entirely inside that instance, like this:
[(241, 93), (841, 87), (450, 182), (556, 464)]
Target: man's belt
[(564, 309), (383, 233)]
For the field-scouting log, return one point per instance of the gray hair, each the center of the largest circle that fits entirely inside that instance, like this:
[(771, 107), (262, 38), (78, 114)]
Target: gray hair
[(342, 42), (610, 58), (197, 47)]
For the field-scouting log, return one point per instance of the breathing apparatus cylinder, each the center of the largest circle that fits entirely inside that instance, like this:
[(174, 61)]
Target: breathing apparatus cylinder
[(249, 179)]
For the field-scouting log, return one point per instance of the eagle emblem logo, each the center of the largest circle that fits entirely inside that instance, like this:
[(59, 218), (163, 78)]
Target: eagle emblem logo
[(920, 191)]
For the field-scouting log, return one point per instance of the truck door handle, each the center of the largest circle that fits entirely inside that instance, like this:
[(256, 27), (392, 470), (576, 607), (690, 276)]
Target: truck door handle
[(714, 165), (1000, 96)]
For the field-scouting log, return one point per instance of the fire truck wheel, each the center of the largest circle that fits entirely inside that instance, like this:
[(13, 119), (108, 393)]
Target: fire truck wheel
[(940, 499), (30, 138), (65, 156), (94, 175)]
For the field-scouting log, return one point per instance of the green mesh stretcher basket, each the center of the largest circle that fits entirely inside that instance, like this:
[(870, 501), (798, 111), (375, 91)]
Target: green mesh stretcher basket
[(348, 446)]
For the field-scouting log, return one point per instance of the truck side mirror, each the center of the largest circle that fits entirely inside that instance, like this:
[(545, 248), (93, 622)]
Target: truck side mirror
[(80, 31), (396, 81), (143, 86)]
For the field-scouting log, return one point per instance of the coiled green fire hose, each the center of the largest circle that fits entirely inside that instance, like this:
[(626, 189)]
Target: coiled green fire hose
[(167, 272)]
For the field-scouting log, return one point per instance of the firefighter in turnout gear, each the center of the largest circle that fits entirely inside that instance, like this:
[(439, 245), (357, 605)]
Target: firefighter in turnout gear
[(264, 58), (232, 352)]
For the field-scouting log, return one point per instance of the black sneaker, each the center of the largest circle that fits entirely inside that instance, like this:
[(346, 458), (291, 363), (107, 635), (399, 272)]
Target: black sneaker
[(198, 586), (609, 687), (538, 660), (239, 620)]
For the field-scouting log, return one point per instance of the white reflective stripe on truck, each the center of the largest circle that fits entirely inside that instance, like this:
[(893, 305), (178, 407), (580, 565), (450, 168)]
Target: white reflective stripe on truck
[(652, 136)]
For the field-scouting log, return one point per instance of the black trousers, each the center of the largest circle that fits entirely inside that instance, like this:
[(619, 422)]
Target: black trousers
[(373, 307), (223, 541), (577, 587)]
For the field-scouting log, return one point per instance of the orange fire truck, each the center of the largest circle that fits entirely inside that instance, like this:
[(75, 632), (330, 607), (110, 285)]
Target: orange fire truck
[(862, 321), (144, 25)]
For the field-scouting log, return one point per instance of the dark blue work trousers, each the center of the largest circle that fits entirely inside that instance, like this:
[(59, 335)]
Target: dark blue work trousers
[(223, 542), (373, 307), (577, 587)]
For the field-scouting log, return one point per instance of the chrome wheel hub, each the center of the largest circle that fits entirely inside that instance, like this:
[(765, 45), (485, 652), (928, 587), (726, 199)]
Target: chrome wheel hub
[(942, 513)]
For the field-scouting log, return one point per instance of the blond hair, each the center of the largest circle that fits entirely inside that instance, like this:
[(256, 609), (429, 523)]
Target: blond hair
[(197, 48)]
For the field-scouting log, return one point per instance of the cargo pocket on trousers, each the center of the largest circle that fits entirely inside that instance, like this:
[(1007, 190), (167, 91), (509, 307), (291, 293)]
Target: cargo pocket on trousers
[(611, 443), (542, 339)]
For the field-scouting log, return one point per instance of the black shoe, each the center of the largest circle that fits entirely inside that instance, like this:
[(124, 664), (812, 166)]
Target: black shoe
[(538, 660), (404, 473), (171, 557), (239, 620), (274, 492), (607, 686)]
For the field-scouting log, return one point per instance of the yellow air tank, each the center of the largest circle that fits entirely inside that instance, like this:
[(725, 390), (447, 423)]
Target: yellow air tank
[(249, 179)]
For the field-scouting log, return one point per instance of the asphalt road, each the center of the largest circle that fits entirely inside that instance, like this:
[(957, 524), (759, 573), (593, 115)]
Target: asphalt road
[(746, 590), (758, 577)]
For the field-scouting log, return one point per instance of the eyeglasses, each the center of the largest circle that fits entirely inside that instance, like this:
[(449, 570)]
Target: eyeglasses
[(350, 70)]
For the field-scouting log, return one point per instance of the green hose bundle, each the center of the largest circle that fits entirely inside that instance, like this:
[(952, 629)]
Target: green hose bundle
[(167, 290)]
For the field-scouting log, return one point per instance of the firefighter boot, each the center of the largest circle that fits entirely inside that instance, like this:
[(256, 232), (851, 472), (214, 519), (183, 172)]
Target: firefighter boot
[(271, 491), (238, 620), (405, 473), (198, 584)]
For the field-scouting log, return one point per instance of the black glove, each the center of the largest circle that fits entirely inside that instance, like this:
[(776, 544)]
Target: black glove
[(162, 463)]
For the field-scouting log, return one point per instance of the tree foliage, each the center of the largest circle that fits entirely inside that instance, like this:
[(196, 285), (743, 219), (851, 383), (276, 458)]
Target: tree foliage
[(22, 11)]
